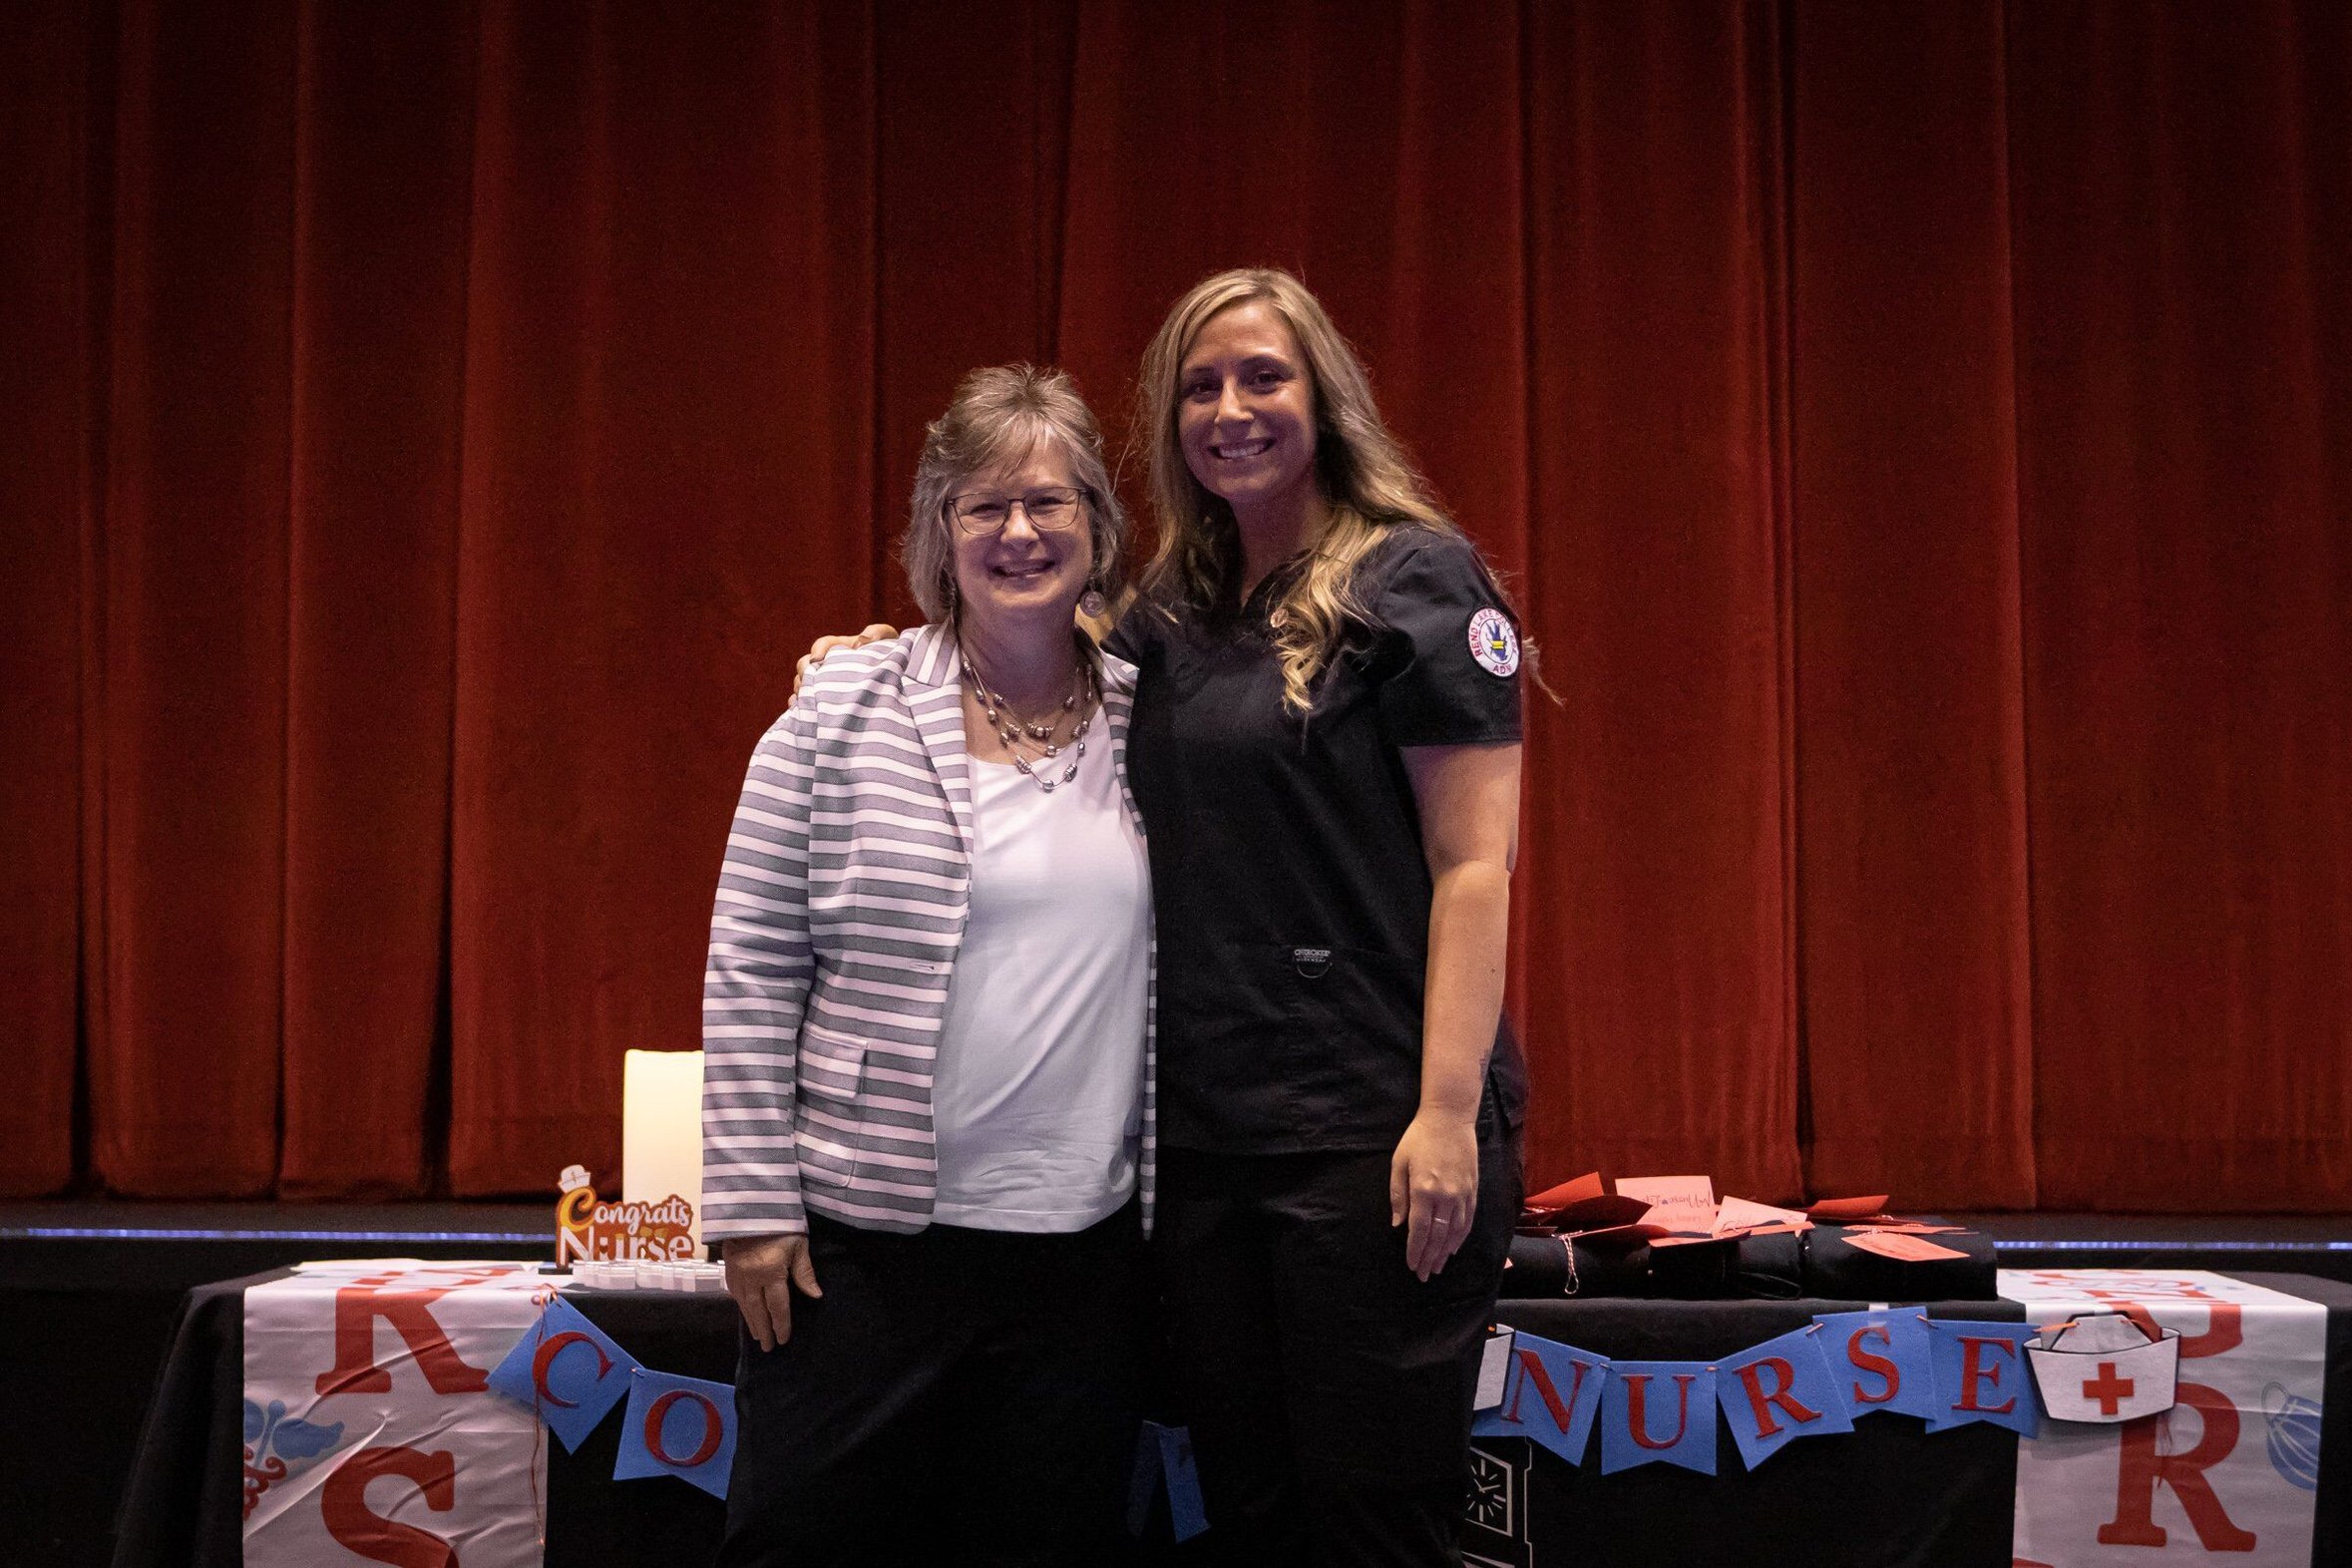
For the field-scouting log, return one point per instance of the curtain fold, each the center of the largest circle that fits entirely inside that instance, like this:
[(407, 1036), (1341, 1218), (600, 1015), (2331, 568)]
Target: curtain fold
[(1920, 442), (382, 196), (1911, 733), (1666, 1033), (2183, 268), (667, 492), (183, 1078), (48, 57)]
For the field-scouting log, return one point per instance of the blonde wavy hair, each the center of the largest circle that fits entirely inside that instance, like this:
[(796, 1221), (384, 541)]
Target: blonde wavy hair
[(999, 416), (1368, 480)]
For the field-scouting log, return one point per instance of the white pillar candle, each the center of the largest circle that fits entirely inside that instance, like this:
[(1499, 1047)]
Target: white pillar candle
[(662, 1129)]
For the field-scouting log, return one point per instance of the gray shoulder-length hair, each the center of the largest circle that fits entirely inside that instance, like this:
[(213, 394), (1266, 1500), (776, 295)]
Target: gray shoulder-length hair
[(1001, 415)]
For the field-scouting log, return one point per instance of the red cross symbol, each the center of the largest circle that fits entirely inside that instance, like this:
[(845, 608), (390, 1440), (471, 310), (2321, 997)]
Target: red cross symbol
[(2108, 1389)]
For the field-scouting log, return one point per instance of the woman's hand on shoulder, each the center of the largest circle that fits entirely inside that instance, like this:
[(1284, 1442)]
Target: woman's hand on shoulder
[(875, 632), (1434, 1188), (762, 1273)]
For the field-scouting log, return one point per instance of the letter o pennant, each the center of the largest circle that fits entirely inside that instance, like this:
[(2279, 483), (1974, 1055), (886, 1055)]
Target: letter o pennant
[(658, 1438), (714, 1430)]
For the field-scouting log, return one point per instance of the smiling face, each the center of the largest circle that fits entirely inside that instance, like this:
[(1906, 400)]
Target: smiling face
[(1022, 572), (1245, 414)]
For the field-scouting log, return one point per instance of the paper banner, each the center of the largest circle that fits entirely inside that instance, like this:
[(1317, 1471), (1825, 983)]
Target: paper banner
[(568, 1371), (1777, 1392), (1551, 1395), (2227, 1475), (1165, 1453), (368, 1417), (1658, 1411), (1682, 1203), (1980, 1375), (1880, 1361), (681, 1427)]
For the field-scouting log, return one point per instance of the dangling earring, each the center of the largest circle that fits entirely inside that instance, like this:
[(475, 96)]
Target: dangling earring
[(1092, 605)]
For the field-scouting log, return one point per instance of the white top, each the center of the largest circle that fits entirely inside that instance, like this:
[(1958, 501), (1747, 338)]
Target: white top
[(1037, 1099)]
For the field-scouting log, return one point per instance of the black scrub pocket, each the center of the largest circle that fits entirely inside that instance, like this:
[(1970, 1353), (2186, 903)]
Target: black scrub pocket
[(1352, 1031)]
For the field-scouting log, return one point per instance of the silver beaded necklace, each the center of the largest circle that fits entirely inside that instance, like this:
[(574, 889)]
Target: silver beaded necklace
[(1017, 732)]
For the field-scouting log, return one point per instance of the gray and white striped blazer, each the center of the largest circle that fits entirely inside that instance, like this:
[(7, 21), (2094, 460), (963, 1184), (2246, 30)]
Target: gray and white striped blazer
[(841, 905)]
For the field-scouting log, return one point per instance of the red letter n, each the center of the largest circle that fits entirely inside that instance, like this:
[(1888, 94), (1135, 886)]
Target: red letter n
[(1531, 1368)]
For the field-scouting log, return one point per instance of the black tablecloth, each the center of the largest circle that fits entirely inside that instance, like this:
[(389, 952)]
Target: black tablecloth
[(1888, 1493)]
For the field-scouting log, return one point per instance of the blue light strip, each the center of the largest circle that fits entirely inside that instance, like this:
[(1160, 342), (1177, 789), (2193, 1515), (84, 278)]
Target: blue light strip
[(2173, 1246), (100, 1233)]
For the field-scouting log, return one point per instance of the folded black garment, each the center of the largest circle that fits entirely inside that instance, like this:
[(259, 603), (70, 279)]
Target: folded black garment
[(1838, 1270), (1771, 1268), (1698, 1271), (1549, 1266), (1820, 1262)]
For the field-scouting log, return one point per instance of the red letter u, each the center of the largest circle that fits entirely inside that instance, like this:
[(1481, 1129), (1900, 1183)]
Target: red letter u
[(1637, 1394)]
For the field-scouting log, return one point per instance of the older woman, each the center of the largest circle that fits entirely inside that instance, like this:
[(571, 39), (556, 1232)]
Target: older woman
[(928, 1116)]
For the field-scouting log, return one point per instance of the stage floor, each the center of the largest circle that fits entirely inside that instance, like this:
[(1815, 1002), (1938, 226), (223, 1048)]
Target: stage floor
[(90, 1291)]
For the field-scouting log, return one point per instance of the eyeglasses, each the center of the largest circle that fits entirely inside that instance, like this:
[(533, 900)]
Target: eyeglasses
[(1051, 511)]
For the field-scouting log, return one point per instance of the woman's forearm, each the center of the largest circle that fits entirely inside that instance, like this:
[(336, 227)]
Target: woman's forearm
[(1469, 803), (1469, 927)]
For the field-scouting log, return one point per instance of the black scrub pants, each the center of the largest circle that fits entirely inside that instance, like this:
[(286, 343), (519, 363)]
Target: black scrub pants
[(956, 1396), (1329, 1389)]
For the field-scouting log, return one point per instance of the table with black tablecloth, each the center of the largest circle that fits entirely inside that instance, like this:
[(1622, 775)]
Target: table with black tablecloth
[(1890, 1492)]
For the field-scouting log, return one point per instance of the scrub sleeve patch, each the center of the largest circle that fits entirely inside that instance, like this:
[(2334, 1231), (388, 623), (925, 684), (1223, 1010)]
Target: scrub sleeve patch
[(1459, 684)]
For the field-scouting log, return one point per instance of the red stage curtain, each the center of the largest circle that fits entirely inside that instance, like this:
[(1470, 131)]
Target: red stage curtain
[(1909, 695), (2183, 325), (1920, 438), (50, 198)]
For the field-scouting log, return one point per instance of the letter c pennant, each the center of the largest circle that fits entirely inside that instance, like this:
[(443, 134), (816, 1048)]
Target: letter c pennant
[(566, 1370)]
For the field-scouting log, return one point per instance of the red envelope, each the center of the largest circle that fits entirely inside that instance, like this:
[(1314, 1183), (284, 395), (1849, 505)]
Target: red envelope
[(1624, 1238), (1900, 1247), (1916, 1228), (1568, 1192), (1602, 1213)]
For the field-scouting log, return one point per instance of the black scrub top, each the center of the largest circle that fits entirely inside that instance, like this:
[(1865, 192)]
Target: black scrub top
[(1290, 893)]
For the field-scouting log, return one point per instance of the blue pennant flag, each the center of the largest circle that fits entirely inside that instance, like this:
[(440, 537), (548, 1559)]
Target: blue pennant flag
[(566, 1370), (1880, 1361), (1658, 1411), (1981, 1375), (681, 1427), (1165, 1452), (1551, 1393), (1779, 1391)]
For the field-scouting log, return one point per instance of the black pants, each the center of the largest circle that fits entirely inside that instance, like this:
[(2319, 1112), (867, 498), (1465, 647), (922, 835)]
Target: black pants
[(956, 1396), (1328, 1391)]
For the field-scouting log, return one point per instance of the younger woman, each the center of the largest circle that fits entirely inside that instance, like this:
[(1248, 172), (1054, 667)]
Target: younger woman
[(1325, 748)]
